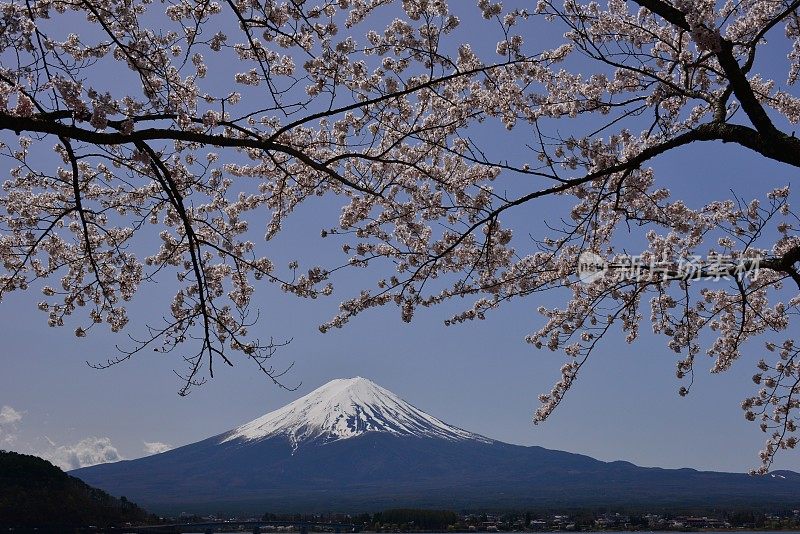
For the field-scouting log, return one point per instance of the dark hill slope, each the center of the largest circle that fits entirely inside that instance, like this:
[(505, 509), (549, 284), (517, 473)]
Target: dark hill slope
[(35, 493)]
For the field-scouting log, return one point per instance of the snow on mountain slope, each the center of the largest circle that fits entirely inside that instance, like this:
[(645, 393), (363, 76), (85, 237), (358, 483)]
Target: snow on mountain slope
[(346, 408)]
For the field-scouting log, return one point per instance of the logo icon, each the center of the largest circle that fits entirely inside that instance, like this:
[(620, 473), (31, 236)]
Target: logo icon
[(591, 267)]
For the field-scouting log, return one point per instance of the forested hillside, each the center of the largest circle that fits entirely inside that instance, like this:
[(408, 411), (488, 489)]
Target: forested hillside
[(34, 492)]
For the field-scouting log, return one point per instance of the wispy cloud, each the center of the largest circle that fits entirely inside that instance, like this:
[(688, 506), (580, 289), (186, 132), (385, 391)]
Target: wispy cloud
[(156, 447), (89, 451), (9, 417)]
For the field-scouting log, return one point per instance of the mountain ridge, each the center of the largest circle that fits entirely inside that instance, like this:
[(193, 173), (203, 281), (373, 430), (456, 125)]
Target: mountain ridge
[(344, 409), (354, 446)]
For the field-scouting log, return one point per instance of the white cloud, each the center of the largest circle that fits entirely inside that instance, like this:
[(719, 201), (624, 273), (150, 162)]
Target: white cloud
[(9, 416), (89, 451), (156, 447)]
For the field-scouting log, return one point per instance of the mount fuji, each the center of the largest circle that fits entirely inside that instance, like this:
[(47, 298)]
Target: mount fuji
[(344, 409), (352, 445)]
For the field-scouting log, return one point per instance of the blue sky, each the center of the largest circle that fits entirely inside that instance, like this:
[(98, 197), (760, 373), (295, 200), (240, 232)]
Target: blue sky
[(479, 376)]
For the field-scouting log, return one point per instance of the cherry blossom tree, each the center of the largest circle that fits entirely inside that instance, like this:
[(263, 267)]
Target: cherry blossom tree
[(116, 127)]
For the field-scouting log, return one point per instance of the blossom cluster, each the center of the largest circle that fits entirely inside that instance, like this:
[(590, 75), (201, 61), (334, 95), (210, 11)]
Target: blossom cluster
[(384, 107)]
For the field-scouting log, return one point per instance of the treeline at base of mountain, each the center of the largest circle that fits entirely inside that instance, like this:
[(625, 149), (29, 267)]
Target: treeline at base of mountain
[(35, 493), (407, 519), (592, 520)]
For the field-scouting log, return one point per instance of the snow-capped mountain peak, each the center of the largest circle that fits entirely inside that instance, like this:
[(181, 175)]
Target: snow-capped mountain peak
[(347, 408)]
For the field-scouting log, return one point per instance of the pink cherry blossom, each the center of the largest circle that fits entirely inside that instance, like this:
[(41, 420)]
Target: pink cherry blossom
[(228, 116)]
